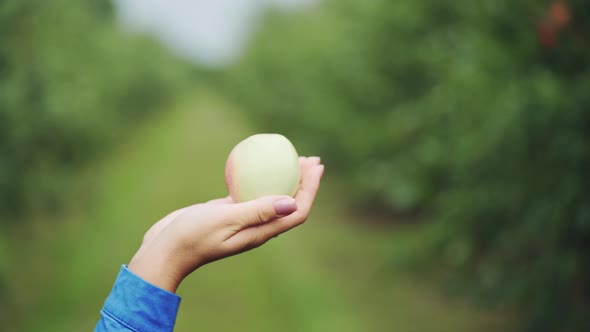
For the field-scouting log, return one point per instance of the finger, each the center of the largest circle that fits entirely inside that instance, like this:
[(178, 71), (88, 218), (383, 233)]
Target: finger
[(310, 160), (302, 163), (314, 161), (225, 200), (255, 236), (306, 163), (304, 197), (261, 210)]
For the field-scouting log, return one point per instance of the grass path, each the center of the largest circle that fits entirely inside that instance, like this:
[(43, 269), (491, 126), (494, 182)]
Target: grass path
[(324, 276)]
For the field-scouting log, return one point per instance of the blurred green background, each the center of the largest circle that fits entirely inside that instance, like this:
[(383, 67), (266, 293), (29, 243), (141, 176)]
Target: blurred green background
[(456, 138)]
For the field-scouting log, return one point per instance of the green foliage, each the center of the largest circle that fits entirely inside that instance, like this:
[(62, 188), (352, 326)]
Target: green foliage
[(70, 83), (301, 282), (472, 112)]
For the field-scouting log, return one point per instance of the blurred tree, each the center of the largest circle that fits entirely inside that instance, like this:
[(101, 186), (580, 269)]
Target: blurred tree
[(70, 82), (472, 112)]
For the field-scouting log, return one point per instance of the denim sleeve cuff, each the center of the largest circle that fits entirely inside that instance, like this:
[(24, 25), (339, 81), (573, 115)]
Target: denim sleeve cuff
[(141, 306)]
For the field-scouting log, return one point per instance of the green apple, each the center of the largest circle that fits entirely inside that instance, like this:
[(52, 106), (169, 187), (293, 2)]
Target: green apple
[(260, 165)]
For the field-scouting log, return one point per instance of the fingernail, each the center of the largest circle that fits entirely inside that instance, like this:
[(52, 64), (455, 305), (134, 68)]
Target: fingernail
[(285, 206)]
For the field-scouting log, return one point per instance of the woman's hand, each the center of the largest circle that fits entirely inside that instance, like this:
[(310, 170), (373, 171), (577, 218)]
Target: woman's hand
[(196, 235)]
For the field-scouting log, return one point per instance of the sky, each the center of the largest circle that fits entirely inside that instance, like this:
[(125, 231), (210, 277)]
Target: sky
[(207, 32)]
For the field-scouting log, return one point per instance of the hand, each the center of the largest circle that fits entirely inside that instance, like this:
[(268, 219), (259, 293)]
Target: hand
[(199, 234)]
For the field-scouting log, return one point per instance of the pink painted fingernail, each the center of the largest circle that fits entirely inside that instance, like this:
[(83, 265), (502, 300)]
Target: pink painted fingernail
[(285, 206)]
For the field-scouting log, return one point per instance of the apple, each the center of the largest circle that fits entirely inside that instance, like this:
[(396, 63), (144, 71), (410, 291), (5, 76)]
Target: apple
[(260, 165)]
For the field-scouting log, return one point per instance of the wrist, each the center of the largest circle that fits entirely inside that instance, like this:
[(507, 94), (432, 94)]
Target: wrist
[(156, 266)]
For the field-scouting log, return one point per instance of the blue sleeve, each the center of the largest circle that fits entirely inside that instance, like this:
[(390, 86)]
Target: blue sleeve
[(138, 306)]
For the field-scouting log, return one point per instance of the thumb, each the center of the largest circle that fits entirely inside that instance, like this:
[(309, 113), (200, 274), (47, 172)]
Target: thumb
[(263, 210)]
